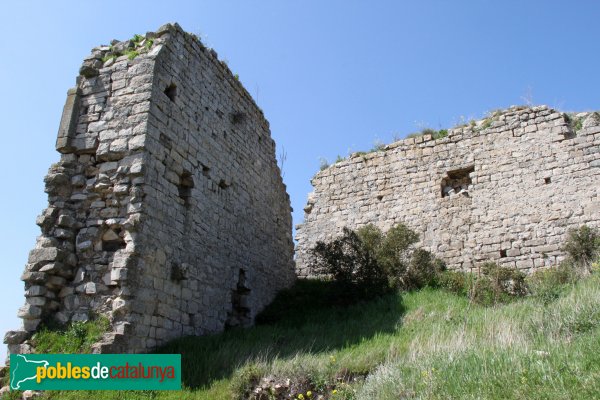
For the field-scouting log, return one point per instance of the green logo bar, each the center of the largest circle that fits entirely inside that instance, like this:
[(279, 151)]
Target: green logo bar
[(95, 371)]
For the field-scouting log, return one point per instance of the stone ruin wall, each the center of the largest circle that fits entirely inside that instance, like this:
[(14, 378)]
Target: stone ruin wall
[(167, 212), (505, 189)]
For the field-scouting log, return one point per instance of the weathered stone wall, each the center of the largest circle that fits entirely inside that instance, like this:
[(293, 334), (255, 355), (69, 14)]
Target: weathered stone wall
[(167, 212), (504, 189), (218, 246)]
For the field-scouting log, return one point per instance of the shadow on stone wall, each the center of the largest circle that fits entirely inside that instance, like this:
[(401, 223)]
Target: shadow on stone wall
[(312, 324)]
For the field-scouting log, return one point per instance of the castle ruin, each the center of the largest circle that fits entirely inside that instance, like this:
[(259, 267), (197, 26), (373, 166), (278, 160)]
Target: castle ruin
[(504, 189), (167, 212), (168, 215)]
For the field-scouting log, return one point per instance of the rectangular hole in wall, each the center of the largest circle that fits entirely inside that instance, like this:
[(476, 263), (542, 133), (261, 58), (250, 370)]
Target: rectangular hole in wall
[(240, 309), (112, 240), (457, 181), (186, 183), (178, 272), (237, 117), (171, 92), (547, 180), (205, 170), (165, 141), (223, 184), (502, 253)]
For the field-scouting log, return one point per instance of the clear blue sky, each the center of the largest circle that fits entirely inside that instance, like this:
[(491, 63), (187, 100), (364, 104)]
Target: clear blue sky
[(331, 77)]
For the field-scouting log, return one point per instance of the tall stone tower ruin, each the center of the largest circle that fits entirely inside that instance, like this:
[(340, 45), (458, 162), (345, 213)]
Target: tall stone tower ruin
[(167, 212)]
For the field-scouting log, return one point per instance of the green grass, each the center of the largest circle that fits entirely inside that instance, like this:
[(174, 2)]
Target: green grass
[(576, 123), (519, 351), (435, 134), (486, 123), (77, 337), (428, 344), (131, 54), (339, 159)]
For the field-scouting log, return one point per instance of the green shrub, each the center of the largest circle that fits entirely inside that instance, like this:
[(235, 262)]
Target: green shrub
[(149, 43), (575, 123), (351, 263), (458, 282), (137, 39), (494, 284), (497, 284), (548, 284), (423, 270), (482, 292), (394, 253), (583, 247), (442, 133), (368, 263), (4, 376), (429, 131)]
